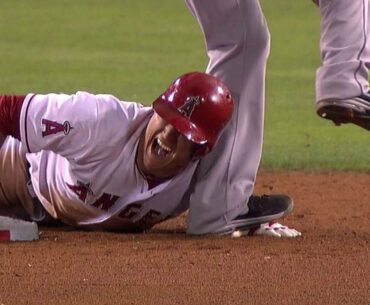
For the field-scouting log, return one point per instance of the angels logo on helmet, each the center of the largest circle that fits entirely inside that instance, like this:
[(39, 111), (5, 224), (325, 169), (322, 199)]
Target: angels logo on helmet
[(189, 105)]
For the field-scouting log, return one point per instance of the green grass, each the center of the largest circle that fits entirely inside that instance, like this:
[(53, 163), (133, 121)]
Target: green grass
[(132, 49)]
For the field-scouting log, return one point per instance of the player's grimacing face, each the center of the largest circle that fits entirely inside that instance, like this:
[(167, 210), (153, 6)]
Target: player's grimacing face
[(164, 152)]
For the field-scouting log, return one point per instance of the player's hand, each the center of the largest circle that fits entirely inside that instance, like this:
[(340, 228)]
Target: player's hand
[(273, 229)]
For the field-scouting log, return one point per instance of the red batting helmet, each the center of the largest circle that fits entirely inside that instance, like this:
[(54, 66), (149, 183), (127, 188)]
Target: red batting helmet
[(198, 106)]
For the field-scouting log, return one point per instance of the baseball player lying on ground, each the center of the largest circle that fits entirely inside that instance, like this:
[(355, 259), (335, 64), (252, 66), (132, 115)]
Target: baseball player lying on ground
[(95, 162)]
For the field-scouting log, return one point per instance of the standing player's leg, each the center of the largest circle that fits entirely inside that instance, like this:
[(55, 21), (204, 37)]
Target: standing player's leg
[(237, 42), (342, 80)]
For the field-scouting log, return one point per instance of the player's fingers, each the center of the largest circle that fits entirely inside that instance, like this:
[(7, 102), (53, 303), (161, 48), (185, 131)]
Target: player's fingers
[(288, 232), (284, 231), (296, 232), (268, 231)]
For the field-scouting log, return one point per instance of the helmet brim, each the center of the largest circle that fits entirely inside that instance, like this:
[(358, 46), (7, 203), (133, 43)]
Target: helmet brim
[(182, 124)]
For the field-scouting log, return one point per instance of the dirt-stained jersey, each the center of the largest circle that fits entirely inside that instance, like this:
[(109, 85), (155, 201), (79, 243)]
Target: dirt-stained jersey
[(81, 149)]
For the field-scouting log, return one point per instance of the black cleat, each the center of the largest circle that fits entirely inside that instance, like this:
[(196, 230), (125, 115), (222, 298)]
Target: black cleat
[(262, 209), (341, 111)]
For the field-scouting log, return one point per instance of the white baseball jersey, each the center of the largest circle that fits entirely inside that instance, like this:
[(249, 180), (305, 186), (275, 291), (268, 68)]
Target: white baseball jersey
[(81, 149)]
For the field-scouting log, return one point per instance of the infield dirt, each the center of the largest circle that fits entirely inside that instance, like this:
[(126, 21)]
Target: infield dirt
[(330, 264)]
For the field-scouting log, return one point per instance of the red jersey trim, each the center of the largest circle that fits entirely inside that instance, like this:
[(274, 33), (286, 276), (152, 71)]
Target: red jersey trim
[(10, 109)]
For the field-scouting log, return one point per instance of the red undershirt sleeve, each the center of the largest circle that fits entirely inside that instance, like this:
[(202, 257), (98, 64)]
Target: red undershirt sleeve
[(10, 110)]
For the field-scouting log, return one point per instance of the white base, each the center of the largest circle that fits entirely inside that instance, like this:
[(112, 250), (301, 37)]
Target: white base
[(17, 230)]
